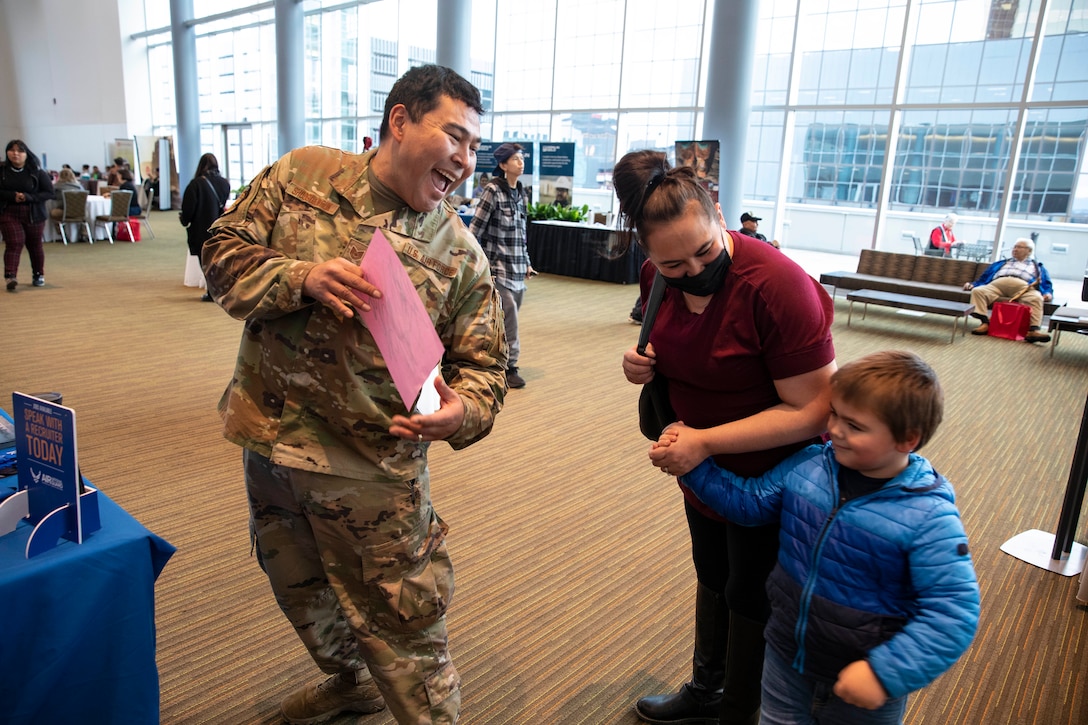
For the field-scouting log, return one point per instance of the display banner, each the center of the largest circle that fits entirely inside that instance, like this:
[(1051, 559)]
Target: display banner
[(485, 166), (702, 156), (45, 442), (124, 148), (556, 172), (57, 503)]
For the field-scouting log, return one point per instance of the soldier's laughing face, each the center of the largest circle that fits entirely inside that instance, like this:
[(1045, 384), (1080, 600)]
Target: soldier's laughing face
[(433, 157)]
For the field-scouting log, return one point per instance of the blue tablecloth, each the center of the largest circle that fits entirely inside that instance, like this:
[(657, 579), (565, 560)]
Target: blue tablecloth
[(78, 640)]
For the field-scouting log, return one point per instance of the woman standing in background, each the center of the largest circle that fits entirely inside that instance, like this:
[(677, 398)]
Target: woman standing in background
[(203, 202), (24, 189)]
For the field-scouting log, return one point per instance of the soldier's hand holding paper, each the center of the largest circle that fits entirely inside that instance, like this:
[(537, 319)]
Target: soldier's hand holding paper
[(341, 286)]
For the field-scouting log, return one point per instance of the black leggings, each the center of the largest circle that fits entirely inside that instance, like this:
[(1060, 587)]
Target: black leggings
[(734, 560)]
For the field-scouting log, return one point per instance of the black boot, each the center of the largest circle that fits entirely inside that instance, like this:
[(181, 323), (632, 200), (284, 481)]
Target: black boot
[(743, 671), (698, 701)]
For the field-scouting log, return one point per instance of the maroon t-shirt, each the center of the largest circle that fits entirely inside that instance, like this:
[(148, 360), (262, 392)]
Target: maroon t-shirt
[(770, 321)]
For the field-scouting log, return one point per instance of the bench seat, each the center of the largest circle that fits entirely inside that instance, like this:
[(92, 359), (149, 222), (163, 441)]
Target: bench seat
[(938, 278), (956, 310)]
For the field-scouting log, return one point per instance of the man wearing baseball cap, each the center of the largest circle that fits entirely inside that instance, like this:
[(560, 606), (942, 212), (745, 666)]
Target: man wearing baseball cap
[(749, 223)]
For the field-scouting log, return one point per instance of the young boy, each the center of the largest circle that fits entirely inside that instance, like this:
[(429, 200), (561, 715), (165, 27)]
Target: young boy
[(874, 594)]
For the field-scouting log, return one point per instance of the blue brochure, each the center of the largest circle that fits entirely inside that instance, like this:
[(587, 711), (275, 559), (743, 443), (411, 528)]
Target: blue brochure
[(45, 439)]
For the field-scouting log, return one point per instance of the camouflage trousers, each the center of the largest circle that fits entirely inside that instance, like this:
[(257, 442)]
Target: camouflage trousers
[(361, 571)]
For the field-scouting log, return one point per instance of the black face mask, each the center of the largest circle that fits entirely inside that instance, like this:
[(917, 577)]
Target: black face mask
[(707, 282)]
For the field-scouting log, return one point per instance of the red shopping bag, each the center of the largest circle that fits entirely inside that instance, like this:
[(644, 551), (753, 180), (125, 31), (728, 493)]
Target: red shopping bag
[(1009, 320), (122, 231)]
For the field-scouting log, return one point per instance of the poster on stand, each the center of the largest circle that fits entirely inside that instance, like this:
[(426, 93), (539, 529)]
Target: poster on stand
[(124, 148), (556, 173), (702, 157), (485, 167), (57, 502), (45, 441)]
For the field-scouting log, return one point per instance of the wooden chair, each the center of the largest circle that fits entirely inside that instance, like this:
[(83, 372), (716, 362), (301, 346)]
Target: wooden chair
[(74, 205), (145, 213), (119, 201)]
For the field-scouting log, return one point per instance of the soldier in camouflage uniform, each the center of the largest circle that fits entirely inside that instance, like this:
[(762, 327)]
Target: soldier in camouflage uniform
[(335, 467)]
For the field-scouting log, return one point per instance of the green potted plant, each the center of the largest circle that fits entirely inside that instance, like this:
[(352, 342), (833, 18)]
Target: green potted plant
[(548, 212)]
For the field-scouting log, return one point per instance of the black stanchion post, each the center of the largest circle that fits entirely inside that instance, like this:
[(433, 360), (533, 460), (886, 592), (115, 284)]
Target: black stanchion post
[(1074, 493)]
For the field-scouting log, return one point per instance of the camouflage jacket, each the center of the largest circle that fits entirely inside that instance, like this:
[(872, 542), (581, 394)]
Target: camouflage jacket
[(310, 390)]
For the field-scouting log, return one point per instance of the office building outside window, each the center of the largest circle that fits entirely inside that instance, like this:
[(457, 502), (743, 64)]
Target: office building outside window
[(894, 113)]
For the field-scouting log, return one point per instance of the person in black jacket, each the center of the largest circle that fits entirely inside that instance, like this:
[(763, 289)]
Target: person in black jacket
[(202, 203), (24, 189), (127, 184)]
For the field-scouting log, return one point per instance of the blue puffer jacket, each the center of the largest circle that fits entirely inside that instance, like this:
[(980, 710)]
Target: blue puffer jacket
[(887, 577)]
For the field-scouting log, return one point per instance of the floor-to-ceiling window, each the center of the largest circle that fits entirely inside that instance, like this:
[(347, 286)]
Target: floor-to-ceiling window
[(906, 110), (868, 118)]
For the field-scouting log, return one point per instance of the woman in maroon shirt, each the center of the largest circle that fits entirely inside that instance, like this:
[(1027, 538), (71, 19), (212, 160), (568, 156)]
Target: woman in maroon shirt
[(743, 338)]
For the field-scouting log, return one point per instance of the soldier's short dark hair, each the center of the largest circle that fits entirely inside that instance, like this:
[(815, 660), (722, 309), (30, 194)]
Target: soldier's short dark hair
[(421, 89)]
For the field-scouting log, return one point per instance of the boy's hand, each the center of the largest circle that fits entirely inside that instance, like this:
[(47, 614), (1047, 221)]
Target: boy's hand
[(668, 436), (859, 686)]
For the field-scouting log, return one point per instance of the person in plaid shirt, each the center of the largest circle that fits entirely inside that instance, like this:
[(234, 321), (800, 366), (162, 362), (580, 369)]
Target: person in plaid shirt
[(499, 226)]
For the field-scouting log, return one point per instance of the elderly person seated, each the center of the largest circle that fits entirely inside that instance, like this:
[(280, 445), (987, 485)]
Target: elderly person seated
[(1019, 277), (942, 237)]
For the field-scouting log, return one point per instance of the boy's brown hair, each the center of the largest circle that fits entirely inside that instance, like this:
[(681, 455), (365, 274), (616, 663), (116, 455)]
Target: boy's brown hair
[(899, 388)]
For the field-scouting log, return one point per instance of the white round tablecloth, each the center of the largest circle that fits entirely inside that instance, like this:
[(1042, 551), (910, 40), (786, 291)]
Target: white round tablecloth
[(96, 206)]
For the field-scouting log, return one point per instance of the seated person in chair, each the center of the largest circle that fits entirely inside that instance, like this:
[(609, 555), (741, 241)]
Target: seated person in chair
[(65, 182), (127, 184), (749, 225), (1019, 277), (942, 237)]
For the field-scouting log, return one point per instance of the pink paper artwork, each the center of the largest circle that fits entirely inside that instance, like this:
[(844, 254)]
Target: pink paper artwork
[(398, 320)]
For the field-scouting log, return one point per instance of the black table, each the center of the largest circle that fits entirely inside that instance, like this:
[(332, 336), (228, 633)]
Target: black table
[(955, 310), (1066, 318), (581, 250)]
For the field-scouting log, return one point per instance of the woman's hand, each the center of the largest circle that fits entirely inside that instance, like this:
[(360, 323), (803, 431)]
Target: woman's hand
[(679, 449), (639, 369), (435, 426), (334, 283)]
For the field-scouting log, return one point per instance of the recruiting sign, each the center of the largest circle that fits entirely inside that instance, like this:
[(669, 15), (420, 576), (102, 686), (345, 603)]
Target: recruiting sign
[(45, 444)]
